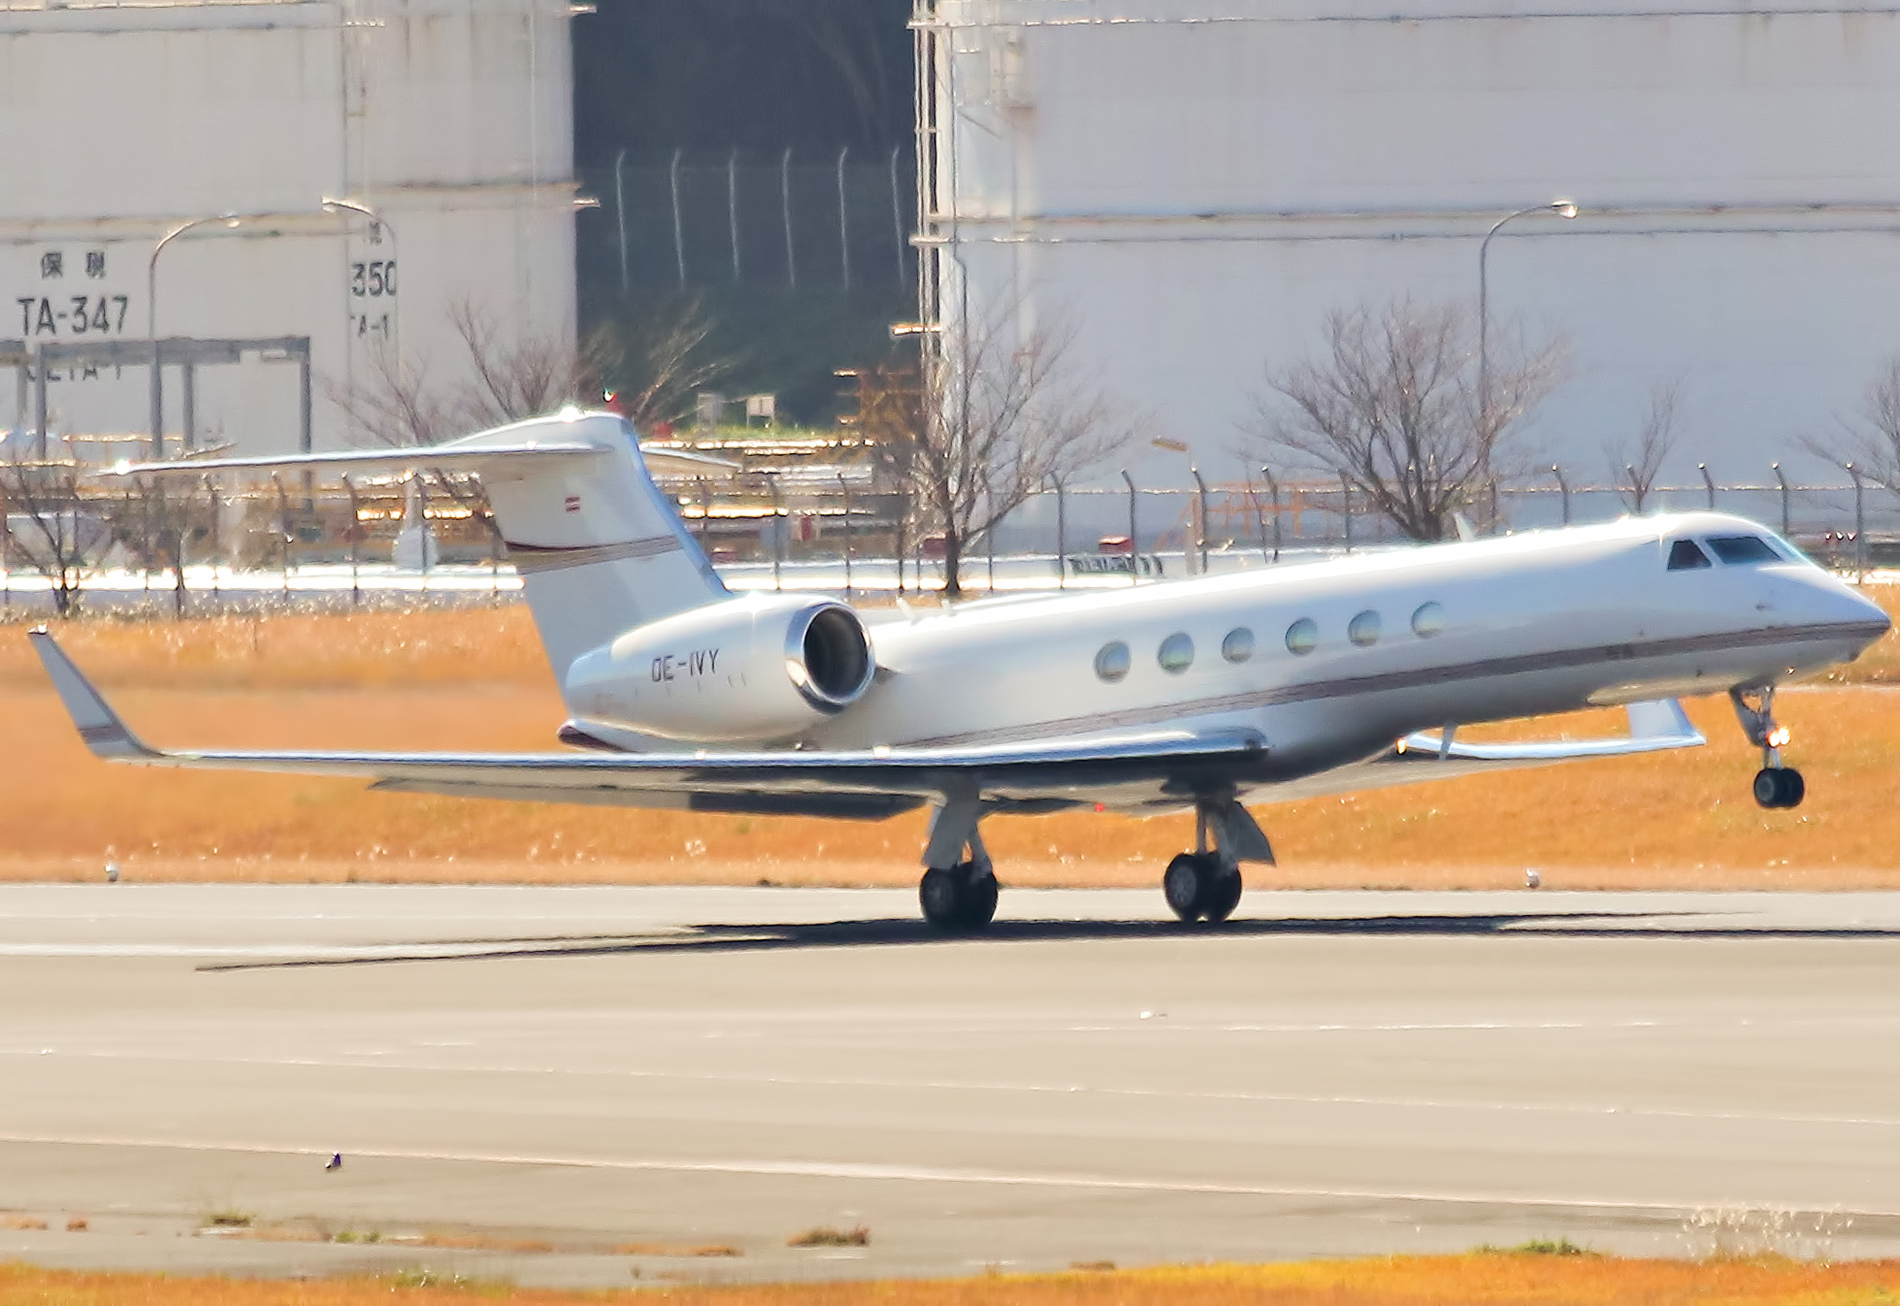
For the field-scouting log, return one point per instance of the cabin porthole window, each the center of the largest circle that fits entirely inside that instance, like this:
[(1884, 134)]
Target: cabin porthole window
[(1363, 630), (1176, 653), (1302, 637), (1111, 664), (1238, 646), (1429, 620)]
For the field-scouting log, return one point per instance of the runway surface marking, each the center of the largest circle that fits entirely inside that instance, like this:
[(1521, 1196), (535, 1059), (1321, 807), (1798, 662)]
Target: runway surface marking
[(377, 1060), (854, 1170)]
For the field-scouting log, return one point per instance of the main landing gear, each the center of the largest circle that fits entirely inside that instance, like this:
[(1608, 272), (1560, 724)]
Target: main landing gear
[(1775, 785), (1205, 885), (958, 891)]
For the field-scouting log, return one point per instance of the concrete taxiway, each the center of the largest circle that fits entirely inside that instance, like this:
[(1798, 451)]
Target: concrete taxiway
[(589, 1069)]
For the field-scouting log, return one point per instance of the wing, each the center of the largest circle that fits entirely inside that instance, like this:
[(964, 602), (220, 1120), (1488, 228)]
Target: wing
[(1126, 772), (1655, 727)]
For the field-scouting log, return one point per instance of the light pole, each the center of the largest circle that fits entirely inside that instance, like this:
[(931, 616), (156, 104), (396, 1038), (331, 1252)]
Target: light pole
[(151, 320), (1560, 208)]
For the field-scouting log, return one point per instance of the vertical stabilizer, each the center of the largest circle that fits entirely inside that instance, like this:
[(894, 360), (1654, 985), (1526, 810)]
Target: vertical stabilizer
[(599, 549)]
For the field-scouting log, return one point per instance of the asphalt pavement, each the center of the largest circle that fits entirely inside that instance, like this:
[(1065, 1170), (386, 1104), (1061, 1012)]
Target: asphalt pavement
[(583, 1086)]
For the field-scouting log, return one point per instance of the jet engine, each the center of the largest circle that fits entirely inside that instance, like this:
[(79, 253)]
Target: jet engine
[(758, 668)]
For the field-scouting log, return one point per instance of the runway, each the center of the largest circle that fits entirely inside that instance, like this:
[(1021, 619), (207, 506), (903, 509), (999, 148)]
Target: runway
[(677, 1069)]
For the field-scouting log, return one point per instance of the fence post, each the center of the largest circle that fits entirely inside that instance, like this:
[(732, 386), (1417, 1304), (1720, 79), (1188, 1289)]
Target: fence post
[(897, 215), (356, 545), (284, 538), (1783, 482), (785, 206), (732, 210), (1062, 535), (1708, 483), (1273, 488), (1345, 496), (705, 512), (679, 234), (1860, 526), (217, 537), (844, 233), (1134, 540), (1563, 487), (1200, 525), (6, 553), (778, 528), (620, 218), (844, 488)]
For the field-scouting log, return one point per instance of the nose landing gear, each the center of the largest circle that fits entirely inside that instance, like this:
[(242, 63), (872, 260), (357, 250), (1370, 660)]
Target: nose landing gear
[(1775, 785)]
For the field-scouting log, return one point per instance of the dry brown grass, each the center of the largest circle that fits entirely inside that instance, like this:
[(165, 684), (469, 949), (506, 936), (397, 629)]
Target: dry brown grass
[(1485, 1279), (679, 1250), (473, 679)]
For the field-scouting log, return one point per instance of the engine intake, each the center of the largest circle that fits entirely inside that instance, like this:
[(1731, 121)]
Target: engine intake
[(828, 656), (753, 669)]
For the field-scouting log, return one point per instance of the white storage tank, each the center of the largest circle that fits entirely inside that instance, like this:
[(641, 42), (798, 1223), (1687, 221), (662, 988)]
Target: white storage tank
[(448, 119), (1193, 184)]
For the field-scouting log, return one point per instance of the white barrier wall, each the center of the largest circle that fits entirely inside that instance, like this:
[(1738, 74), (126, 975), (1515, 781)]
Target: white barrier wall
[(449, 118), (1193, 184)]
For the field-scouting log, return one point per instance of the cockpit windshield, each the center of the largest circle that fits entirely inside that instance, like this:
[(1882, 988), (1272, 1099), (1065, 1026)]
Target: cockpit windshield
[(1687, 555), (1740, 550)]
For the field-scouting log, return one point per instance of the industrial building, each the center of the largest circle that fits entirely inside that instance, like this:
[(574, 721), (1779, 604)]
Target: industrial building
[(441, 128), (1192, 185)]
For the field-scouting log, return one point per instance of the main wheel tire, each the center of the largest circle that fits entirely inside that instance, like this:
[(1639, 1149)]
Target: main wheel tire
[(1224, 897), (1768, 786), (958, 900), (1186, 885), (1793, 787), (979, 902), (941, 894)]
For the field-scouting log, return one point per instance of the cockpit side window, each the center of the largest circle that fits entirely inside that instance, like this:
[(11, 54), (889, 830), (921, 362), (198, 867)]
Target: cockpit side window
[(1736, 550), (1687, 555)]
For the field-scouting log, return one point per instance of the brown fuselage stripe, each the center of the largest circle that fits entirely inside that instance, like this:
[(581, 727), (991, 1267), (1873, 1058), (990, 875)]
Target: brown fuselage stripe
[(533, 559)]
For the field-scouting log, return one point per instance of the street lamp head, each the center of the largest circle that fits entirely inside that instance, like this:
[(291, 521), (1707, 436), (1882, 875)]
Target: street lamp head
[(1564, 208)]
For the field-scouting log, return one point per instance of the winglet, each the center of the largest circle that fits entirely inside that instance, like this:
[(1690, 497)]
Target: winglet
[(94, 718)]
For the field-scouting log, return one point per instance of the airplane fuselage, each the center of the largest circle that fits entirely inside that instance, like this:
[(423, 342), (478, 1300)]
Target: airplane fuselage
[(1331, 662)]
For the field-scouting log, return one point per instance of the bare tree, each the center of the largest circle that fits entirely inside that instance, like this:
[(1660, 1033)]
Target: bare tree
[(50, 525), (661, 362), (401, 402), (1392, 405), (158, 519), (1636, 464), (1870, 439), (1000, 414)]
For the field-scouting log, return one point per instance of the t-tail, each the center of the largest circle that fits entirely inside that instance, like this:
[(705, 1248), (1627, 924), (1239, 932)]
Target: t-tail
[(599, 548)]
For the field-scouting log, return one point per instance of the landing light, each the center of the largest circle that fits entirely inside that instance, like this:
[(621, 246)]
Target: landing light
[(569, 413), (1778, 738)]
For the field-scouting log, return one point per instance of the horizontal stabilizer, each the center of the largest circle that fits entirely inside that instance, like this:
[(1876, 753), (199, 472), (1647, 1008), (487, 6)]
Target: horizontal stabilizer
[(1655, 727)]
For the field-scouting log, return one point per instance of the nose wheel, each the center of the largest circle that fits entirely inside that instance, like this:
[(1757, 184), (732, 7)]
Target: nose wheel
[(1776, 786)]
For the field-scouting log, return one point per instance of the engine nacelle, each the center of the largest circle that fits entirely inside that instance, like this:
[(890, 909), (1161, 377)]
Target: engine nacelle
[(756, 668)]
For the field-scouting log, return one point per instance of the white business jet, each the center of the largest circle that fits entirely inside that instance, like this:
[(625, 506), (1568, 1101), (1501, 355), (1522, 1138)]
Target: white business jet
[(1194, 696)]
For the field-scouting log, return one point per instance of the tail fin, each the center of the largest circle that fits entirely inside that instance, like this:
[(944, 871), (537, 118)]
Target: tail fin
[(598, 547)]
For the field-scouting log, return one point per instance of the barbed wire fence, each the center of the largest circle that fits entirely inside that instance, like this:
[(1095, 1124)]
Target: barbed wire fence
[(797, 221), (835, 528)]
